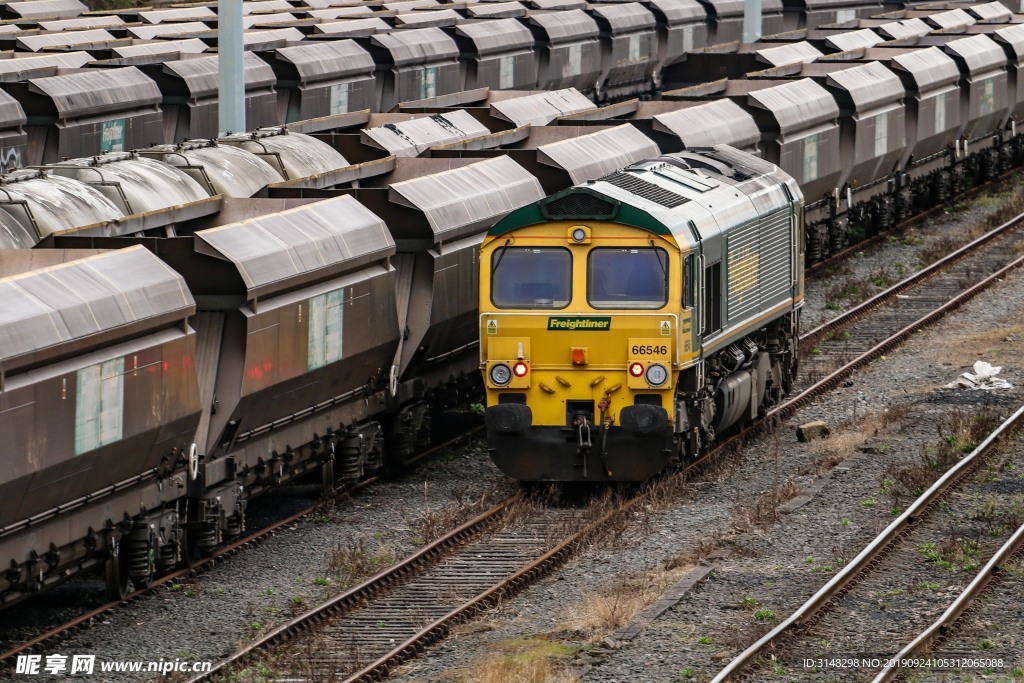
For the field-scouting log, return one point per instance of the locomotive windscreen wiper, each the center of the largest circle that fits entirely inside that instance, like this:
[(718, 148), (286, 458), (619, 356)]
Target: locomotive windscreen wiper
[(501, 255), (657, 255)]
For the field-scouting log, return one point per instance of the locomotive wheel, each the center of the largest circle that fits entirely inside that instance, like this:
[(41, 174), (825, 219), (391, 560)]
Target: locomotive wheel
[(116, 575)]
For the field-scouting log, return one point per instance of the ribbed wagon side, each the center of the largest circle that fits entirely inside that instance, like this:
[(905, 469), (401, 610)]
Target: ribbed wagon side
[(496, 54), (190, 91), (290, 371)]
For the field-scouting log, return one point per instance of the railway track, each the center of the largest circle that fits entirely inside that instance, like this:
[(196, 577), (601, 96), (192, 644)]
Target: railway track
[(365, 632), (356, 637), (942, 628), (54, 635), (836, 342), (896, 555)]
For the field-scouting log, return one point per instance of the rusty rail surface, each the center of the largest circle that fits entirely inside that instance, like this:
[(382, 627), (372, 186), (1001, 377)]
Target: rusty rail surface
[(861, 565), (859, 311), (456, 550)]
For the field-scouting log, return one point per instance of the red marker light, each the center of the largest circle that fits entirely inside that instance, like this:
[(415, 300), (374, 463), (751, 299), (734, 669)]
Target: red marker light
[(636, 369), (520, 369)]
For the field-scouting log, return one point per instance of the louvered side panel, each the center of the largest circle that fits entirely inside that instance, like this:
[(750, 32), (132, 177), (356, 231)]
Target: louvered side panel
[(759, 266), (775, 263), (742, 247)]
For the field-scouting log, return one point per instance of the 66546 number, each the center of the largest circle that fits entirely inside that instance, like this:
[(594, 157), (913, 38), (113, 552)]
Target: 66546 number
[(649, 349)]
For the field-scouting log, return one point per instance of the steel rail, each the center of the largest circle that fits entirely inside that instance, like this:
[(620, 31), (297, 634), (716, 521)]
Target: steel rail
[(802, 399), (204, 565), (187, 572), (440, 627), (869, 556), (951, 619), (505, 588)]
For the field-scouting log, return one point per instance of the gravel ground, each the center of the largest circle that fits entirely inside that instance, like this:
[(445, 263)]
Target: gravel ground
[(245, 596), (994, 629), (912, 584), (834, 289), (52, 608), (575, 609)]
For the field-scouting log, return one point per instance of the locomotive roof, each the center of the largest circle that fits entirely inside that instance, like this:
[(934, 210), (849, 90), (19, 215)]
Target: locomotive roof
[(693, 195)]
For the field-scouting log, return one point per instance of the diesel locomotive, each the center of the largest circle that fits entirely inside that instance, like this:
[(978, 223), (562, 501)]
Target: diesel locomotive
[(628, 321)]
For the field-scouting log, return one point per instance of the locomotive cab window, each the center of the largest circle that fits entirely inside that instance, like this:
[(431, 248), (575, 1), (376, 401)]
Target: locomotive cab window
[(529, 277), (627, 278)]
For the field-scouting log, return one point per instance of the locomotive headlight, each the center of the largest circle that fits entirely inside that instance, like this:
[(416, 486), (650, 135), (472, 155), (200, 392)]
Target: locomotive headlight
[(579, 234), (636, 369), (520, 369), (500, 374), (656, 374)]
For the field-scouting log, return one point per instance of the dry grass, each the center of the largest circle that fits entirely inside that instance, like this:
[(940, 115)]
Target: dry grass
[(998, 208), (352, 563), (437, 519), (694, 554), (846, 439), (959, 434), (1007, 205), (843, 442), (615, 605), (999, 346), (936, 249), (763, 510), (531, 660)]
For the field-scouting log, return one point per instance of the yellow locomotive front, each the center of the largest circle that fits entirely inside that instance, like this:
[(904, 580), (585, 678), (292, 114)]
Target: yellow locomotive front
[(626, 323), (582, 338)]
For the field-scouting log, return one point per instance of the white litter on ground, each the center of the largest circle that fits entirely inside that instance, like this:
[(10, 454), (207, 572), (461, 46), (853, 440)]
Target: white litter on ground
[(983, 377)]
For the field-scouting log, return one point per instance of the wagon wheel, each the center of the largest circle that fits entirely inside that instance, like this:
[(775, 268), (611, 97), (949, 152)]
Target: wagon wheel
[(116, 573)]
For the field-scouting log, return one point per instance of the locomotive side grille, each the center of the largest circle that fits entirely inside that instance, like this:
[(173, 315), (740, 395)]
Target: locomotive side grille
[(642, 188), (759, 266), (578, 205)]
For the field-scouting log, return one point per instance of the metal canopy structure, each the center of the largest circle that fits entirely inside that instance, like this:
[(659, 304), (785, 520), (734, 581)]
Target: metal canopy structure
[(99, 297), (542, 108), (299, 245), (415, 136), (468, 199), (590, 157), (720, 122)]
